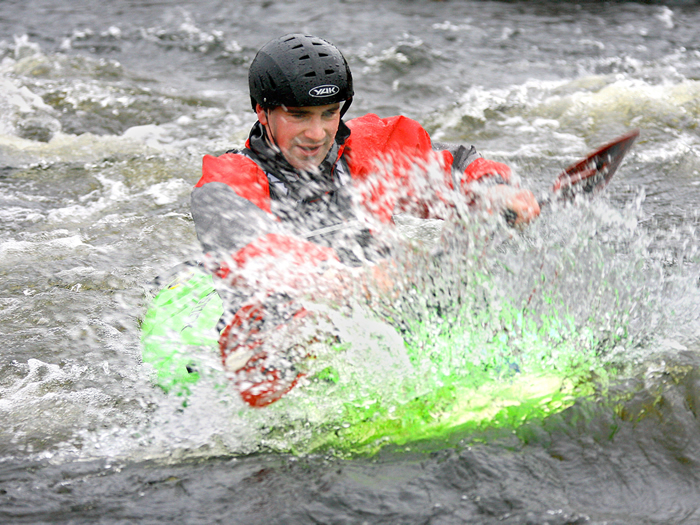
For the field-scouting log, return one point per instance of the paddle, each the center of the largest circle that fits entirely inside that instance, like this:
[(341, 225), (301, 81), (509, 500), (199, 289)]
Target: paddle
[(590, 175)]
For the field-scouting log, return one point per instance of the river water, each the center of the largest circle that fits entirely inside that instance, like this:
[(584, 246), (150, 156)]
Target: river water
[(106, 111)]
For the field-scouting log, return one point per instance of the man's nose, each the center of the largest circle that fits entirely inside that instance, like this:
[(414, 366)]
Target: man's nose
[(315, 131)]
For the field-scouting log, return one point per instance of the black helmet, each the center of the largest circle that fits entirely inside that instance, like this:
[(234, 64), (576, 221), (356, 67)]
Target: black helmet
[(298, 70)]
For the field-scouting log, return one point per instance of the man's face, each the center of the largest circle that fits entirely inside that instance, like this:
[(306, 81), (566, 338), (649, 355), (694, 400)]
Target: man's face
[(304, 135)]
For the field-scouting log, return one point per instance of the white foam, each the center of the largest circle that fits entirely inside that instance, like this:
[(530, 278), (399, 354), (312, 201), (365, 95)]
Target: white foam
[(151, 135), (64, 147), (665, 15), (113, 192), (169, 191), (60, 245)]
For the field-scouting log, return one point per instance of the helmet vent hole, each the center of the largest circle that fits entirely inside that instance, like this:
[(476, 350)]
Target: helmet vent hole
[(329, 71), (305, 57), (310, 74), (321, 55), (297, 46)]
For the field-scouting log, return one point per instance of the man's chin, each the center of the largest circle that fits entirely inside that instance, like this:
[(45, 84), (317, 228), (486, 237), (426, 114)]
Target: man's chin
[(306, 164)]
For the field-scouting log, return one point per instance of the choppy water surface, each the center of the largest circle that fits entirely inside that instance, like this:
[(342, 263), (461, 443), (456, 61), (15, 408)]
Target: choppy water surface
[(106, 111)]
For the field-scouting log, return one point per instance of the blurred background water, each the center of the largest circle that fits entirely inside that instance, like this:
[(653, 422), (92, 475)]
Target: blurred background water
[(105, 113)]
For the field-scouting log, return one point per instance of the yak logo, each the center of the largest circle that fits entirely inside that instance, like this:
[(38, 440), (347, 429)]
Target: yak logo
[(324, 91)]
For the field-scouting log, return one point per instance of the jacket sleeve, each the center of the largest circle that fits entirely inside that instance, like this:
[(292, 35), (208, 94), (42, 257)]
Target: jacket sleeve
[(225, 222), (395, 146), (468, 166), (461, 155), (230, 203)]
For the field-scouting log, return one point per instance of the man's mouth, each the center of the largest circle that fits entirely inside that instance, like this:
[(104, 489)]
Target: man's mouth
[(310, 150)]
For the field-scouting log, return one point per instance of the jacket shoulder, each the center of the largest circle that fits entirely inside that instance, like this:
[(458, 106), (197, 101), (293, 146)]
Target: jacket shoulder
[(399, 138), (390, 131), (241, 174)]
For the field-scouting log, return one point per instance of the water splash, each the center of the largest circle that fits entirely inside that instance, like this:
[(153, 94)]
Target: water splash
[(484, 328)]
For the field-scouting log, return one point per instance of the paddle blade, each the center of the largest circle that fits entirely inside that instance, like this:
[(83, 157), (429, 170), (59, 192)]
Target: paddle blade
[(592, 174)]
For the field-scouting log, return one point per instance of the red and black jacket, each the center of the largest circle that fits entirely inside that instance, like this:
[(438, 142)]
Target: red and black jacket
[(239, 205)]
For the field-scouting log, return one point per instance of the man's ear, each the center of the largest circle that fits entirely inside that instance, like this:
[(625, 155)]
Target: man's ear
[(262, 115)]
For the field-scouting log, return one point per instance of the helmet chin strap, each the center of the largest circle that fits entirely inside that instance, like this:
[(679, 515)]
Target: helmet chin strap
[(346, 106), (268, 129)]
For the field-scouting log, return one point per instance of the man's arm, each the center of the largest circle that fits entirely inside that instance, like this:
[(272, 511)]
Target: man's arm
[(490, 185), (247, 246), (404, 143), (225, 222)]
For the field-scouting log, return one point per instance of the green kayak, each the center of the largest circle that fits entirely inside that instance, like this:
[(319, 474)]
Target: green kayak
[(422, 396)]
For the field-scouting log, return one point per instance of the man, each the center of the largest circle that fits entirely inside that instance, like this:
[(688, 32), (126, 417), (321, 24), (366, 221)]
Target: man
[(286, 200)]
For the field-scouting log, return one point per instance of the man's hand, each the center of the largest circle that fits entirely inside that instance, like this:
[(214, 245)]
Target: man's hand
[(493, 188), (519, 206)]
